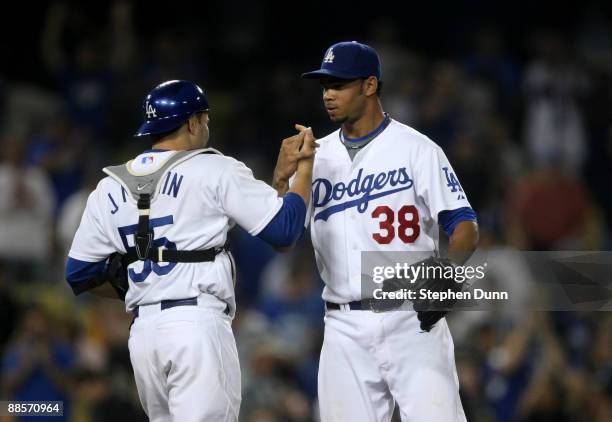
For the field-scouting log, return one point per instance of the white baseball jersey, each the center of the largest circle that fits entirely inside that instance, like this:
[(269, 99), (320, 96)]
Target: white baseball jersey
[(198, 201), (386, 199)]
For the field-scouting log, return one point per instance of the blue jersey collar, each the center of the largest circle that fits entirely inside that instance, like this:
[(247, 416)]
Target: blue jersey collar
[(370, 135)]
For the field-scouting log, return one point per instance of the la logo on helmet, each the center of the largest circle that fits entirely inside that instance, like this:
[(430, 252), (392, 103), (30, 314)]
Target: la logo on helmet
[(150, 111)]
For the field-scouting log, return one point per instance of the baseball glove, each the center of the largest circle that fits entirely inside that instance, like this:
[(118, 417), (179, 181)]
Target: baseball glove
[(431, 279), (116, 274)]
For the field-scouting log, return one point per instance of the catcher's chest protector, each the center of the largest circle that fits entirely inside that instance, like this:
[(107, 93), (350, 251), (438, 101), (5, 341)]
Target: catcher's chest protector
[(144, 186), (139, 184)]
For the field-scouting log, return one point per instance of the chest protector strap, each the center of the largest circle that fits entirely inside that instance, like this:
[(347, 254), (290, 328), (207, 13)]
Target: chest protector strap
[(143, 187)]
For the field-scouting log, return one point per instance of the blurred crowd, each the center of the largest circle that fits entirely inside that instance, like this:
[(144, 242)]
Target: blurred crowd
[(528, 131)]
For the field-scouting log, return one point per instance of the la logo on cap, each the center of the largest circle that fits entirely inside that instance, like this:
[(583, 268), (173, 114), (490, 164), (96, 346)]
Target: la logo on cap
[(329, 57)]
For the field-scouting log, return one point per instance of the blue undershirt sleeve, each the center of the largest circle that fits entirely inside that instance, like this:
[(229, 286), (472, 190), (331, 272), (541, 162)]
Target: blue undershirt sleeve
[(449, 219), (80, 274), (287, 225)]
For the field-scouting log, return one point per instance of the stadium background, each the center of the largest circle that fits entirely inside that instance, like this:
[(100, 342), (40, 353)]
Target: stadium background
[(519, 94)]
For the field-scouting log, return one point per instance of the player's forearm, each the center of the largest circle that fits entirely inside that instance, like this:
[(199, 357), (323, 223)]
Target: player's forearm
[(296, 153), (280, 183), (303, 180), (286, 163), (463, 242)]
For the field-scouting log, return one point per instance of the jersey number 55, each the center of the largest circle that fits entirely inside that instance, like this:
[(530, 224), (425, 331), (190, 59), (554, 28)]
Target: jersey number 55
[(148, 265)]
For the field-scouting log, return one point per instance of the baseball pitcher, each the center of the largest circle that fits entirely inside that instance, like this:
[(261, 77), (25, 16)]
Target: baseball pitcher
[(379, 185)]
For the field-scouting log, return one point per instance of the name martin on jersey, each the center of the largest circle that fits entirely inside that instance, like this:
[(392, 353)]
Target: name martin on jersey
[(171, 186), (365, 187)]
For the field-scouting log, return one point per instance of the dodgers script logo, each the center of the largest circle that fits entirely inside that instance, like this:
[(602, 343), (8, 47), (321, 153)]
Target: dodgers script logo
[(323, 192)]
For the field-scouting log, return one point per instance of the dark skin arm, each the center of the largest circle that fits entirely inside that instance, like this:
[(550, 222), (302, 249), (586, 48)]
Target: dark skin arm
[(280, 183), (286, 164), (463, 242), (296, 156)]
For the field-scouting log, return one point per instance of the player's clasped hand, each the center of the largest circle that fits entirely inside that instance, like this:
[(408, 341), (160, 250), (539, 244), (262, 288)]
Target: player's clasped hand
[(297, 147), (288, 156), (309, 144)]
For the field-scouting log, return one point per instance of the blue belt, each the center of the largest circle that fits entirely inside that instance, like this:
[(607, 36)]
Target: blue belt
[(167, 304)]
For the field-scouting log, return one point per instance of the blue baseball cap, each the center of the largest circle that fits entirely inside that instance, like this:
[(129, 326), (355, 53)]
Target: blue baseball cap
[(348, 60)]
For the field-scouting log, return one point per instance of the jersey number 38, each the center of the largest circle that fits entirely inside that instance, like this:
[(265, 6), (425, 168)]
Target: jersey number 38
[(408, 229)]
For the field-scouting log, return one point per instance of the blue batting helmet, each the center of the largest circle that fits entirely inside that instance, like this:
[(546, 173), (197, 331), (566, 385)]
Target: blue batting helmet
[(169, 105)]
